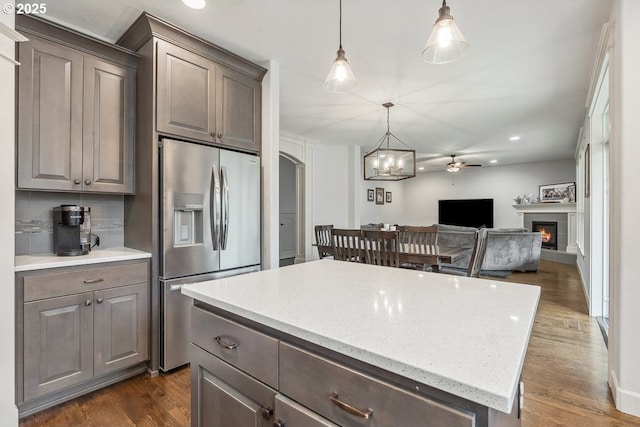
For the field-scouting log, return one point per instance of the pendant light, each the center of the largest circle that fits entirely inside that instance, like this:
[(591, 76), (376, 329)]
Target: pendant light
[(446, 42), (391, 159), (340, 78)]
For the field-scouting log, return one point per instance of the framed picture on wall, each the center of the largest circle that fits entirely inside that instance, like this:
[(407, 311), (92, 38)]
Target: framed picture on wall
[(370, 195), (388, 197), (379, 196), (557, 193)]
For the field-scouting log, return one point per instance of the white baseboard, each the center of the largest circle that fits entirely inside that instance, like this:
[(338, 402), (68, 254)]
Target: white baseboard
[(585, 291), (626, 401)]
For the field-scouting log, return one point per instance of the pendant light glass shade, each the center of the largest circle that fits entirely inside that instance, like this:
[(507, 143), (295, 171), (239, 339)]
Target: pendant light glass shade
[(391, 160), (446, 42), (340, 78), (195, 4)]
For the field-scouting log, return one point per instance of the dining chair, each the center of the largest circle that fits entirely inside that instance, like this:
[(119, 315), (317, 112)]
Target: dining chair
[(381, 248), (419, 240), (324, 241), (347, 244), (477, 257)]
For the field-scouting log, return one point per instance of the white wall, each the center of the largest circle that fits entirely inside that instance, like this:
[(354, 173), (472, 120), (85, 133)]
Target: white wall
[(389, 213), (331, 174), (8, 410), (624, 345), (500, 183)]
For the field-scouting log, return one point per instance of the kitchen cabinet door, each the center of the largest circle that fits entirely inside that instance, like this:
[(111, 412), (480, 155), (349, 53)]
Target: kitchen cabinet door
[(108, 127), (185, 102), (290, 414), (49, 116), (58, 343), (120, 327), (76, 120), (238, 106)]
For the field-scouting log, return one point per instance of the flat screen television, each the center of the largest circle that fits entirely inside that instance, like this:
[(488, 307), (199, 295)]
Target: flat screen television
[(466, 212)]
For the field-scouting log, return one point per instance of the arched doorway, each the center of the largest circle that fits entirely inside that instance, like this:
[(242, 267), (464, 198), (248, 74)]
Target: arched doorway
[(291, 210)]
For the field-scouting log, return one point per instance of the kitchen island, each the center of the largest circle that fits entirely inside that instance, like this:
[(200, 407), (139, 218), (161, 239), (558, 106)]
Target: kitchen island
[(356, 344)]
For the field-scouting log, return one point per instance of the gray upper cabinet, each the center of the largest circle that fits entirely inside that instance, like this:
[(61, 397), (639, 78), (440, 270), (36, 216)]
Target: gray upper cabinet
[(238, 106), (49, 116), (76, 113), (199, 99), (186, 93), (204, 93)]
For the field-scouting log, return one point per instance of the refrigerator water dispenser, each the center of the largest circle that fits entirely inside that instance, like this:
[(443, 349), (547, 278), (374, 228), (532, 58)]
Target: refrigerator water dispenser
[(187, 219)]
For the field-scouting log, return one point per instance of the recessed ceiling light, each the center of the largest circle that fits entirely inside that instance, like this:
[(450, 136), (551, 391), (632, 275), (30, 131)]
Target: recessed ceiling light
[(194, 4), (493, 161), (421, 168), (514, 138)]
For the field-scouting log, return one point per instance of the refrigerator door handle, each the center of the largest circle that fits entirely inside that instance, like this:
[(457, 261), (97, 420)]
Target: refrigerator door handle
[(225, 209), (215, 208)]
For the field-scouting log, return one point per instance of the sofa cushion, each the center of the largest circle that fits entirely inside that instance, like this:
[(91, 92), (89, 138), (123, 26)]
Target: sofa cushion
[(512, 251)]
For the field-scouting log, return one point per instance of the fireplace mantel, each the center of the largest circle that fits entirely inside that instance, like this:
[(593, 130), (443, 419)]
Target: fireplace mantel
[(546, 207), (553, 208)]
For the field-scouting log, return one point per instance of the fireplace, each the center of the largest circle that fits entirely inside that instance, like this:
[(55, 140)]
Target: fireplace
[(549, 230)]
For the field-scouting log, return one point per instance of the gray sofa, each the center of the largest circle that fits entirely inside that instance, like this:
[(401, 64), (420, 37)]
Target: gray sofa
[(507, 248)]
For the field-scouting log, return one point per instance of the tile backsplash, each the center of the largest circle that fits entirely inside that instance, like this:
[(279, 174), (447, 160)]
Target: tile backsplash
[(34, 219)]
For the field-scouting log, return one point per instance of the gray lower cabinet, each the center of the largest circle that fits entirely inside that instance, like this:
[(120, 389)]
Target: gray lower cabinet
[(79, 328), (222, 395), (200, 99), (244, 374), (76, 112)]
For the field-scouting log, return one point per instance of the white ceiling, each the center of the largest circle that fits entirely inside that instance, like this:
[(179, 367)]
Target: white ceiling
[(526, 72)]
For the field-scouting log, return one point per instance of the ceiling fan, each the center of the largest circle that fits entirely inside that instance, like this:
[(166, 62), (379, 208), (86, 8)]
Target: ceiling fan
[(454, 166)]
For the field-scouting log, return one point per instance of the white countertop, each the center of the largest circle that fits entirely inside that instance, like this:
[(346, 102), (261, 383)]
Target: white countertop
[(42, 261), (464, 336)]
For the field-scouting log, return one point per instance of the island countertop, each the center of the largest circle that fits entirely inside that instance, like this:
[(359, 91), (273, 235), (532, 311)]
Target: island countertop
[(465, 336)]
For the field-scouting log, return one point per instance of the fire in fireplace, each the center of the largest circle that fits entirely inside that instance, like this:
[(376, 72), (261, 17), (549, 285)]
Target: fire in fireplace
[(549, 231)]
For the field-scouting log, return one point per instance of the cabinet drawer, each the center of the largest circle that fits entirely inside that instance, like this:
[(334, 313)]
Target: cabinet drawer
[(248, 350), (312, 381), (289, 414), (51, 285)]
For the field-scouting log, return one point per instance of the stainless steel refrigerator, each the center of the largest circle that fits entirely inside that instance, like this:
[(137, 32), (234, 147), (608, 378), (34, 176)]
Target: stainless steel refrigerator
[(210, 228)]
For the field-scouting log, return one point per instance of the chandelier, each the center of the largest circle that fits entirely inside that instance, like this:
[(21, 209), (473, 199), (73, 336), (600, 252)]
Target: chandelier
[(391, 159)]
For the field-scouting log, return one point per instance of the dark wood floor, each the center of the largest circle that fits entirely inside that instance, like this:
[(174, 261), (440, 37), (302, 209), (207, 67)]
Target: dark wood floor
[(565, 373)]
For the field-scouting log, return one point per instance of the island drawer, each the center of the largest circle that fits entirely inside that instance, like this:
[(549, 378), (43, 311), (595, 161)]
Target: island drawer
[(87, 278), (290, 414), (347, 397), (248, 350)]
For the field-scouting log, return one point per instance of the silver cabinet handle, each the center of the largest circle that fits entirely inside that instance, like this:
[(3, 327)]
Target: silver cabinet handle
[(219, 136), (87, 181), (223, 344), (89, 281), (366, 413), (76, 181), (87, 302), (174, 288), (213, 134), (99, 300), (279, 423)]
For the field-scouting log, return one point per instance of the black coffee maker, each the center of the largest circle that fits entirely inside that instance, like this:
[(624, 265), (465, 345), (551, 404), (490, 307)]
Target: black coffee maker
[(67, 220)]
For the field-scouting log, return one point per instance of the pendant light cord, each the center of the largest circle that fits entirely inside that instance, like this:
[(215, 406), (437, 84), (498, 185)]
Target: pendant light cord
[(340, 31)]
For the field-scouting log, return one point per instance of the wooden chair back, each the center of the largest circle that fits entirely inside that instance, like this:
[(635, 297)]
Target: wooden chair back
[(347, 244), (381, 248), (419, 240), (477, 256), (324, 241)]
